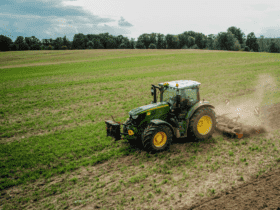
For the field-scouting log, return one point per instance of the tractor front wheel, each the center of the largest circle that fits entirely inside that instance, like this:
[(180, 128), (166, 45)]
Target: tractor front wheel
[(157, 138), (202, 124)]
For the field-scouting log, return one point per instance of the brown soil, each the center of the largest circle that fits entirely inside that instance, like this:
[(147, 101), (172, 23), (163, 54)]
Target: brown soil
[(261, 193), (258, 193)]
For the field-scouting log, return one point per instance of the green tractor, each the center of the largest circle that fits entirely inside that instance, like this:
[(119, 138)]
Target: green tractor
[(179, 114)]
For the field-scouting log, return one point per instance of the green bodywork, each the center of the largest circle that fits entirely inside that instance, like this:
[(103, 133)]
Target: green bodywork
[(155, 110), (157, 113)]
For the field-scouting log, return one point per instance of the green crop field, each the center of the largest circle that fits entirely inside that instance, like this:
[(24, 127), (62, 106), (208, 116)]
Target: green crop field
[(54, 150)]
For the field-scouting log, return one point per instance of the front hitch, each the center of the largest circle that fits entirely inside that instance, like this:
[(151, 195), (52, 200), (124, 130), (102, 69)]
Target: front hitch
[(113, 129)]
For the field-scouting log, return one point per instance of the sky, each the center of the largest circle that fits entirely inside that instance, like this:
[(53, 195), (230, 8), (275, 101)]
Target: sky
[(47, 19)]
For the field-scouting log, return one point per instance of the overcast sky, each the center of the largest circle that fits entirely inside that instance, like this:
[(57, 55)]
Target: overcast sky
[(131, 18)]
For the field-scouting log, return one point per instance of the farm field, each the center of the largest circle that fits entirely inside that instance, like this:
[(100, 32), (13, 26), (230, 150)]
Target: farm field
[(54, 152)]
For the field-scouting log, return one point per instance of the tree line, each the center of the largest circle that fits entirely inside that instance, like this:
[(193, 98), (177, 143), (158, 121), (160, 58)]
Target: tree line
[(232, 40)]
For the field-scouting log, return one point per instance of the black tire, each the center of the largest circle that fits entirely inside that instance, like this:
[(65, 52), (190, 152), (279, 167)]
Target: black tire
[(193, 126), (150, 132)]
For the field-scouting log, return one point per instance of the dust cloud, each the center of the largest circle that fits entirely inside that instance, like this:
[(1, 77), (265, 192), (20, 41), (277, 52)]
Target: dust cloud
[(247, 111)]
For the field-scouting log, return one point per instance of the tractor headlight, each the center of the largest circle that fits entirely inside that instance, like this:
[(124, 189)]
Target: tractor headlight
[(130, 132), (134, 117)]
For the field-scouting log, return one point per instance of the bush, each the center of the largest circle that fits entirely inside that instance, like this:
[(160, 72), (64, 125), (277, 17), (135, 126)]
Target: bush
[(247, 48), (251, 50), (49, 47), (152, 46), (42, 47), (185, 47), (64, 47)]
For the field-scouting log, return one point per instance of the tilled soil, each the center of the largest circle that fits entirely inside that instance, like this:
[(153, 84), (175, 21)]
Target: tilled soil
[(261, 193), (258, 193)]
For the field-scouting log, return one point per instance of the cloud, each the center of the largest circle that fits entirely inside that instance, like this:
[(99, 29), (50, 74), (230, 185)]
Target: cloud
[(51, 19), (124, 23)]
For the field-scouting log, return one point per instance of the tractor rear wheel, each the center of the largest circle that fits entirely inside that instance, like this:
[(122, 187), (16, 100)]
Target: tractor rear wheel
[(202, 124), (157, 138)]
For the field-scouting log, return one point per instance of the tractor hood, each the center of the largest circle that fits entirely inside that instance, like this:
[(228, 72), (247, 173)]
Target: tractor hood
[(150, 107)]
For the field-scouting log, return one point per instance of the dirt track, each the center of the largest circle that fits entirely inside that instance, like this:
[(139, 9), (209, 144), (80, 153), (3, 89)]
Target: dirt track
[(259, 193)]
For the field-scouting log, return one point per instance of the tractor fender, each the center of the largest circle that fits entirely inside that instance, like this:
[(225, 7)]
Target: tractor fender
[(197, 106), (161, 122)]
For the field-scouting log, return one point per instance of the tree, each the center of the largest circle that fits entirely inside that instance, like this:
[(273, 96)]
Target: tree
[(58, 43), (21, 44), (152, 46), (103, 37), (66, 42), (5, 43), (183, 40), (28, 41), (145, 39), (210, 41), (111, 43), (194, 47), (273, 47), (97, 44), (226, 41), (172, 41), (251, 42), (191, 41), (125, 43), (46, 42), (140, 45), (50, 47), (13, 47), (132, 43), (122, 46), (200, 41), (238, 34), (42, 47), (153, 39), (78, 41), (190, 33), (161, 42), (90, 45), (247, 48), (33, 43)]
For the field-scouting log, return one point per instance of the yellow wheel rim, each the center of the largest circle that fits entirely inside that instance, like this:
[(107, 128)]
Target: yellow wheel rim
[(160, 139), (204, 125)]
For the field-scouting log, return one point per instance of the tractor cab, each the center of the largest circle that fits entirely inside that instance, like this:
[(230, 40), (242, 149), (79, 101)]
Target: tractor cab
[(181, 94)]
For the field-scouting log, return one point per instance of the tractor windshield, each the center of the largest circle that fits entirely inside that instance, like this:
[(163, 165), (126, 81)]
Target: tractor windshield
[(190, 95), (169, 96)]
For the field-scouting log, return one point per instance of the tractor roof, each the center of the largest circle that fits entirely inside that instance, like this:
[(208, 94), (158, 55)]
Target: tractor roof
[(183, 84)]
